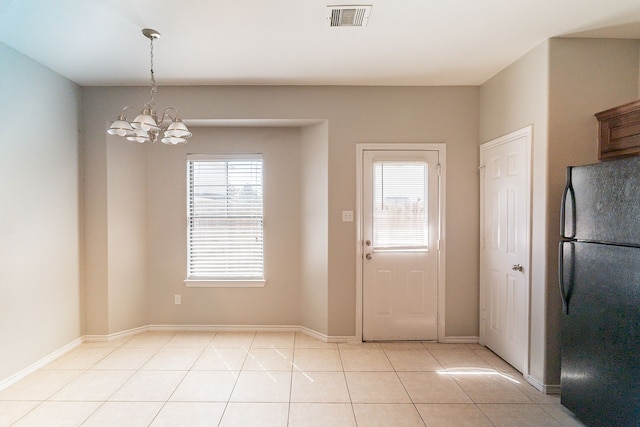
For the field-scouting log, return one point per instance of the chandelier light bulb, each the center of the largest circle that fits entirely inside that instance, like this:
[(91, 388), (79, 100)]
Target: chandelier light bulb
[(177, 129), (120, 127), (173, 140), (140, 136), (145, 122)]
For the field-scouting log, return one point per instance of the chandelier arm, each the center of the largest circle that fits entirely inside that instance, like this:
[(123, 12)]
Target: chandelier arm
[(124, 110), (167, 113)]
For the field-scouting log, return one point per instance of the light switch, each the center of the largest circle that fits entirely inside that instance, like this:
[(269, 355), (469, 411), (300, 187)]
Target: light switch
[(347, 216)]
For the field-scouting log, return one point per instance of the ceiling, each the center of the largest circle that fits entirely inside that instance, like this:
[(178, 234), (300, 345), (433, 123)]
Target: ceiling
[(287, 42)]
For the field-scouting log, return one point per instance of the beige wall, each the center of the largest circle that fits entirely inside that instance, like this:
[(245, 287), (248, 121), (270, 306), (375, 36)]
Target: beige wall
[(314, 209), (515, 98), (40, 308), (114, 234), (352, 115), (127, 215), (557, 87), (275, 304)]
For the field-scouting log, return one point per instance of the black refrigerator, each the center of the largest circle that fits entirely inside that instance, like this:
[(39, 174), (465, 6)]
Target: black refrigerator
[(599, 277)]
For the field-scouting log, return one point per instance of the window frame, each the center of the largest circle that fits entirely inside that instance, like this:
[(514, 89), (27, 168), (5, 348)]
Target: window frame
[(214, 282)]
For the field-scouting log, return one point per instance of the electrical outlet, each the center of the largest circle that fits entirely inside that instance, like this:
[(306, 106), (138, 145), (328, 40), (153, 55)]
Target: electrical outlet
[(177, 299), (347, 216)]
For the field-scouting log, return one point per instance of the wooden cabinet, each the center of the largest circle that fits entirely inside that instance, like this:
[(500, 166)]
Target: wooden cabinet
[(619, 131)]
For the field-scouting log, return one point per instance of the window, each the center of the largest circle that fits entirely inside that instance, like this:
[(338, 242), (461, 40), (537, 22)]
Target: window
[(400, 205), (224, 215)]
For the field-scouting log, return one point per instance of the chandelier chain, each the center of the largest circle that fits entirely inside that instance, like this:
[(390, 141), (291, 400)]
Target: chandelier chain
[(153, 77)]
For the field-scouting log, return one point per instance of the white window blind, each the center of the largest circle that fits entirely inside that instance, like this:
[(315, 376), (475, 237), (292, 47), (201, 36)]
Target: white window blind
[(400, 213), (225, 218)]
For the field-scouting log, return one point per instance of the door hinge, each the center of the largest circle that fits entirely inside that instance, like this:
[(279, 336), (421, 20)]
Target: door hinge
[(439, 167)]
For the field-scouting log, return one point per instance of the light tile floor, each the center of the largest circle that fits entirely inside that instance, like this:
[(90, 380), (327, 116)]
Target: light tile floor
[(276, 379)]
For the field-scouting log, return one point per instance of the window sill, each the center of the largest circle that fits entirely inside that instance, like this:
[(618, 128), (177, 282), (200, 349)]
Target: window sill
[(191, 283)]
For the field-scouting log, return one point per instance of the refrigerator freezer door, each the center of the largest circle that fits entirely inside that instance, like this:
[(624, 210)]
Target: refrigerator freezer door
[(604, 201), (600, 337)]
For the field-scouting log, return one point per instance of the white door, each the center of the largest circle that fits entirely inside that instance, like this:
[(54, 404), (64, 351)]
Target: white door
[(504, 246), (400, 234)]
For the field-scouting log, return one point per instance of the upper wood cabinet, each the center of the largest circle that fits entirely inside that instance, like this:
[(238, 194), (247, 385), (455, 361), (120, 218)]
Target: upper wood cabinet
[(619, 131)]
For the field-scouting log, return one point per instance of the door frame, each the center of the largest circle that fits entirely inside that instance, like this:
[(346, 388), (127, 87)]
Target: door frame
[(527, 133), (441, 149)]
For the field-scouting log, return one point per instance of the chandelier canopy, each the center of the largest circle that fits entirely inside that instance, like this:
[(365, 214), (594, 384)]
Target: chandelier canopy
[(146, 127)]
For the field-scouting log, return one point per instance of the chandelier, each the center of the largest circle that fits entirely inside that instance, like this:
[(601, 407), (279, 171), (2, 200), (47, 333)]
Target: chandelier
[(146, 127)]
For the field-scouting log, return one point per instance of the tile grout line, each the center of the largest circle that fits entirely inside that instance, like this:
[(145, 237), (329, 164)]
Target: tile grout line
[(204, 348), (90, 368), (344, 375), (157, 350), (293, 359), (102, 403), (246, 355), (403, 385)]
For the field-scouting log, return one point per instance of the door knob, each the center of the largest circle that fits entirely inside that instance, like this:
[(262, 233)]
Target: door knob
[(368, 256), (368, 243), (517, 267)]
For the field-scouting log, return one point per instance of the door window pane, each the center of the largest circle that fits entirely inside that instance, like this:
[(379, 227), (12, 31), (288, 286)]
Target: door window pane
[(400, 218)]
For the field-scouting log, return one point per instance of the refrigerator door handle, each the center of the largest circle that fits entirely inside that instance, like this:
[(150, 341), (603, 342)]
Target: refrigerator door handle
[(568, 191), (565, 287)]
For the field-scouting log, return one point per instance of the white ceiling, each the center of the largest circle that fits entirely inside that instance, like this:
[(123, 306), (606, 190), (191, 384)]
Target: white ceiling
[(287, 42)]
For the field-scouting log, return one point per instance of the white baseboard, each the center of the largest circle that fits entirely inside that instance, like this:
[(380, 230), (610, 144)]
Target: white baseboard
[(460, 340), (224, 328), (544, 388), (117, 335), (253, 328), (552, 389), (221, 328), (39, 364), (314, 334)]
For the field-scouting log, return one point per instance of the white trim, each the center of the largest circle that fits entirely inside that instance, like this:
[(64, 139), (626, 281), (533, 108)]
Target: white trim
[(442, 249), (254, 328), (195, 157), (326, 338), (460, 340), (118, 335), (192, 283), (527, 133), (541, 387), (225, 328), (39, 364), (442, 159), (314, 334)]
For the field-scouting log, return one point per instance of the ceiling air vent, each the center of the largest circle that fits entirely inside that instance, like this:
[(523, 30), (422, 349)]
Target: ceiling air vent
[(348, 16)]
